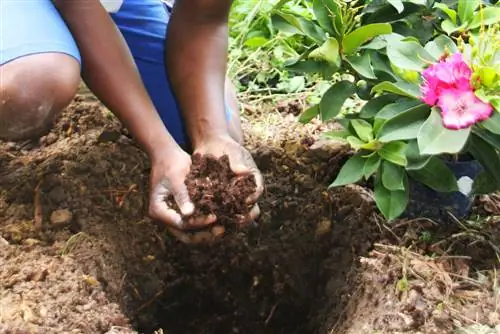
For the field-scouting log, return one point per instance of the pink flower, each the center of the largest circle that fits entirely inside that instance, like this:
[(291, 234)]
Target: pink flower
[(461, 108), (449, 73), (448, 84)]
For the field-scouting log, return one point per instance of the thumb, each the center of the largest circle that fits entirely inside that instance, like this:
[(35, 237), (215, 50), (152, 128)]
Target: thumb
[(181, 195)]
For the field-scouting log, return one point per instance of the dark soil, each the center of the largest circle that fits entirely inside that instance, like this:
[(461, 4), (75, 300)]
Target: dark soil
[(79, 255), (216, 190)]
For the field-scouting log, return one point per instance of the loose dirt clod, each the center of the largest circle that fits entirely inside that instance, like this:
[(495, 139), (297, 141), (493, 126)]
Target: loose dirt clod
[(215, 189), (61, 217)]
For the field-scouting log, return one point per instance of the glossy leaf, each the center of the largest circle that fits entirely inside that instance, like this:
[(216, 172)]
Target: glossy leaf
[(404, 105), (358, 37), (466, 9), (493, 123), (400, 88), (334, 98), (362, 65), (433, 138), (351, 172), (406, 125), (393, 176), (436, 175), (363, 129), (486, 155), (394, 152), (372, 107), (371, 165), (398, 4), (390, 203), (408, 55), (440, 45), (309, 114), (415, 159), (452, 15), (488, 16), (328, 51)]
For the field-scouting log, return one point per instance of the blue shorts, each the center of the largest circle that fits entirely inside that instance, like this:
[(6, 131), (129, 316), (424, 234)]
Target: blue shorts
[(35, 26)]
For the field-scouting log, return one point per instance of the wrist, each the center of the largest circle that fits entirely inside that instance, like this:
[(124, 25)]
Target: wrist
[(160, 147)]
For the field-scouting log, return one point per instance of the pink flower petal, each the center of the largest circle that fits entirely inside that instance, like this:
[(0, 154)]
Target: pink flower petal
[(461, 109)]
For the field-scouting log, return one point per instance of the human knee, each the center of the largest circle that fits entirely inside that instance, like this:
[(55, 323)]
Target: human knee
[(33, 90)]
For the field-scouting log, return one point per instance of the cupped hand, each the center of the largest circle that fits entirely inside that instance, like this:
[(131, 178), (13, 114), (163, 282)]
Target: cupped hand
[(241, 163), (168, 174)]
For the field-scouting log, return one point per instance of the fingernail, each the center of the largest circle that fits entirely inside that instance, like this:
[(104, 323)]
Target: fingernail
[(187, 209)]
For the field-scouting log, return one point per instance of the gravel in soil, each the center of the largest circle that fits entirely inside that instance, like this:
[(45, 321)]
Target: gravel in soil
[(78, 254)]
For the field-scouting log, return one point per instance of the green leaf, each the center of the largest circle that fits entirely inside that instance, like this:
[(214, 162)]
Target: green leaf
[(400, 88), (391, 203), (363, 129), (323, 16), (436, 175), (487, 16), (440, 45), (486, 155), (394, 152), (405, 125), (408, 55), (371, 165), (433, 138), (362, 65), (309, 114), (398, 107), (447, 10), (358, 37), (328, 51), (256, 42), (398, 4), (492, 138), (393, 176), (493, 123), (466, 9), (336, 134), (334, 98), (485, 184), (351, 172), (449, 27), (415, 159), (372, 107), (302, 26), (355, 142)]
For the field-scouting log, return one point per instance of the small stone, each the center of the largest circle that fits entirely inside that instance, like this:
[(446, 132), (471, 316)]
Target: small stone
[(50, 139), (3, 242), (30, 242), (323, 227), (61, 217), (325, 149)]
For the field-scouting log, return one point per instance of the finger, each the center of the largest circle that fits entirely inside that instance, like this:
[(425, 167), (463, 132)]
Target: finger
[(181, 196), (206, 236), (254, 213), (201, 221), (251, 216), (259, 187), (159, 210)]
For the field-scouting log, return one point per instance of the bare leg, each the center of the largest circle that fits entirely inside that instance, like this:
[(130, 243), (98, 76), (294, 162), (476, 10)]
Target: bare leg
[(33, 90)]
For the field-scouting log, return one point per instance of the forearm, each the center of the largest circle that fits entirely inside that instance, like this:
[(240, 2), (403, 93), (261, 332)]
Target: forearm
[(196, 59), (109, 71)]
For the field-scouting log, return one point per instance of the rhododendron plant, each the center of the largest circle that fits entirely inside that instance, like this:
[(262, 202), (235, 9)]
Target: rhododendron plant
[(448, 84), (429, 72)]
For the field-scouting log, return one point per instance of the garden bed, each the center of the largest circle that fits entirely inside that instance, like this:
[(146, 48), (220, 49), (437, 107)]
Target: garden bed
[(78, 254)]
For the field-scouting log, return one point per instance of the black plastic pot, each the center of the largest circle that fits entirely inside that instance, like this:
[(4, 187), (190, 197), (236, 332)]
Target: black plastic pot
[(428, 203)]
